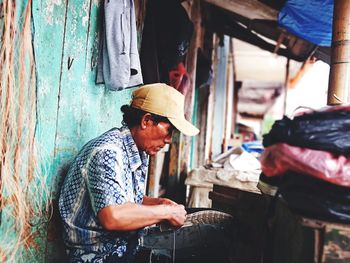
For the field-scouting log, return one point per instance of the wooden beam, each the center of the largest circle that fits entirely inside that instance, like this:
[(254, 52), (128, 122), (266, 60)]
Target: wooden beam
[(251, 9)]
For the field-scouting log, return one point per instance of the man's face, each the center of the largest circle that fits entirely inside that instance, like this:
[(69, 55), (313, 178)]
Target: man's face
[(156, 136)]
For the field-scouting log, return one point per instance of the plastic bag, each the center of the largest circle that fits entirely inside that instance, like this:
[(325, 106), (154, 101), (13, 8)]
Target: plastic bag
[(253, 147), (310, 20), (327, 130), (315, 198), (278, 159)]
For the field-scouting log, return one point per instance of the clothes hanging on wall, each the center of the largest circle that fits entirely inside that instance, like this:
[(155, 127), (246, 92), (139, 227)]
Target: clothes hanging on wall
[(166, 36), (119, 63)]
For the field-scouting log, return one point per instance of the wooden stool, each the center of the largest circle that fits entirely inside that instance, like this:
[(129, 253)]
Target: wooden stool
[(332, 240)]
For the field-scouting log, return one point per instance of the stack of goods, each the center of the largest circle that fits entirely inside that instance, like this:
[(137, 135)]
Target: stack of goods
[(307, 159)]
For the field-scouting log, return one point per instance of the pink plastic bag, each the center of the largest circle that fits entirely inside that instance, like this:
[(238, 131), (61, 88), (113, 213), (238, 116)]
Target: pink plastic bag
[(304, 110), (280, 158)]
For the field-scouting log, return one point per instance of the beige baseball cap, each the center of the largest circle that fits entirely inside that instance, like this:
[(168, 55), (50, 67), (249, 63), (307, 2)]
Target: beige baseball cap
[(164, 100)]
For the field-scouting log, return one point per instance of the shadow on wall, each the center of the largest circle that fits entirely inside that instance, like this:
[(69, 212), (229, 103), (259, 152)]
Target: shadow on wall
[(55, 251)]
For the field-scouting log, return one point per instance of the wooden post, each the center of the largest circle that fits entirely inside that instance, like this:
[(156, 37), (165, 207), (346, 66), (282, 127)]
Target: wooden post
[(339, 77), (211, 100), (191, 66), (180, 148)]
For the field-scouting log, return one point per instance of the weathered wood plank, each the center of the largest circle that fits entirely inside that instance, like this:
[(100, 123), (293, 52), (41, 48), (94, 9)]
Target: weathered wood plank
[(220, 98), (211, 100), (85, 109), (72, 80), (191, 65), (251, 9), (48, 21), (48, 24)]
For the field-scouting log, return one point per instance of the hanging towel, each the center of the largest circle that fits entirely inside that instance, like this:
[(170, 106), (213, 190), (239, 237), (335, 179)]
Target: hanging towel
[(119, 62)]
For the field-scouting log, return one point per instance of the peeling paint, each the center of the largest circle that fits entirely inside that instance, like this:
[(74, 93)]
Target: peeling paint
[(97, 2), (79, 47), (44, 90), (73, 25), (48, 11), (83, 79), (86, 16)]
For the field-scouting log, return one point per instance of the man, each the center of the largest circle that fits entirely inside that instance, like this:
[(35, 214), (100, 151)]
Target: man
[(102, 202)]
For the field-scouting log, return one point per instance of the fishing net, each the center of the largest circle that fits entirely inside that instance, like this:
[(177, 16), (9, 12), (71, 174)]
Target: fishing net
[(23, 190)]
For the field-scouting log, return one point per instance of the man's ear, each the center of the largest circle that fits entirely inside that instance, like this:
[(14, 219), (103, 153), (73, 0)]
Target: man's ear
[(146, 120)]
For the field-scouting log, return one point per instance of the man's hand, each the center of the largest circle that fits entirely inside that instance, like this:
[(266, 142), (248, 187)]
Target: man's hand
[(177, 215)]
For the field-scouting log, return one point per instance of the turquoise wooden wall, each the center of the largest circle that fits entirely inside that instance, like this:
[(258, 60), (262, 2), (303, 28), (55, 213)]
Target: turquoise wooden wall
[(71, 109)]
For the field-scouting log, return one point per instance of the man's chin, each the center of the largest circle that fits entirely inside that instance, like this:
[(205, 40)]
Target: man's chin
[(152, 153)]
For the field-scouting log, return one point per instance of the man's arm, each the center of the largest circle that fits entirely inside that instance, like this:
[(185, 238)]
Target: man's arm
[(157, 201), (131, 216)]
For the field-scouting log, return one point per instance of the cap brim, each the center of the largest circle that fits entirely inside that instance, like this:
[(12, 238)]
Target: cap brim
[(184, 126)]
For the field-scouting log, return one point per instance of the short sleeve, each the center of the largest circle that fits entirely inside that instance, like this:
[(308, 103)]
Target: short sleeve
[(102, 181)]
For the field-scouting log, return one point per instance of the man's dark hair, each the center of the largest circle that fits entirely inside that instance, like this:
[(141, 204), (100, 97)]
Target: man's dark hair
[(132, 116)]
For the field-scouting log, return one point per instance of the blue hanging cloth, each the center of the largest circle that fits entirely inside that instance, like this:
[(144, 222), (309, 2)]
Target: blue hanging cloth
[(310, 20)]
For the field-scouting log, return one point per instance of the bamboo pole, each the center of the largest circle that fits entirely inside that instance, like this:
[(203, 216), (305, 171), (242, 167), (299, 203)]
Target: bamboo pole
[(339, 76)]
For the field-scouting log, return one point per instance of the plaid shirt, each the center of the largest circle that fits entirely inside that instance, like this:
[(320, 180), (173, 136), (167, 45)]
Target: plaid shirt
[(108, 170)]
